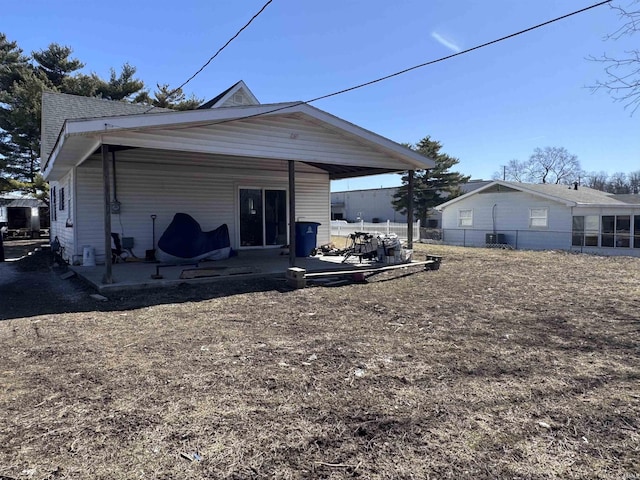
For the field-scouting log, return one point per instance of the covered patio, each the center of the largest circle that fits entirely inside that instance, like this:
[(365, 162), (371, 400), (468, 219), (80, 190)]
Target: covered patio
[(111, 171), (246, 265)]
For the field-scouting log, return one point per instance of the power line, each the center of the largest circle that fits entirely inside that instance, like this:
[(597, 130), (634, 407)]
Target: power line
[(442, 59), (218, 52), (431, 62), (415, 67)]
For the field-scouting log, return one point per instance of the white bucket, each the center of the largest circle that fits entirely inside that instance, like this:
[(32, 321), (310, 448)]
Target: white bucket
[(88, 256)]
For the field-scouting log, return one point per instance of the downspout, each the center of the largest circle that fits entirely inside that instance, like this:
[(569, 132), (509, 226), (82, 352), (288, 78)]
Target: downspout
[(493, 217)]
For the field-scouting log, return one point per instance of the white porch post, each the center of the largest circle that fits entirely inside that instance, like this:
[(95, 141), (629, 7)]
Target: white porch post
[(108, 276), (292, 213), (410, 209)]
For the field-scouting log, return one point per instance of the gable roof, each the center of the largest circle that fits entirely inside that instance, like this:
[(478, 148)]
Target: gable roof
[(566, 194), (230, 131), (227, 98), (58, 107)]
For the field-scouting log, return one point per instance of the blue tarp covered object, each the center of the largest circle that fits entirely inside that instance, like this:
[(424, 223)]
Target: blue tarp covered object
[(184, 240)]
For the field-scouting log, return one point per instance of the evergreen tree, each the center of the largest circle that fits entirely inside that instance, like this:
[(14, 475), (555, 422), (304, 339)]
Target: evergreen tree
[(430, 187), (164, 97), (22, 80)]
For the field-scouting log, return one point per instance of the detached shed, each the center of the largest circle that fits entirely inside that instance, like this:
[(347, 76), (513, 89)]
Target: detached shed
[(258, 168), (23, 217)]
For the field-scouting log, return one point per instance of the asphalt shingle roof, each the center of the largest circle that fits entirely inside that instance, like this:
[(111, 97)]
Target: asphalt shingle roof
[(583, 195), (58, 107)]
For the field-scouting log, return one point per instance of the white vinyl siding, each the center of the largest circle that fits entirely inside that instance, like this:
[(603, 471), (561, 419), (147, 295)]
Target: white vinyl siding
[(278, 138), (165, 183), (62, 226), (538, 217)]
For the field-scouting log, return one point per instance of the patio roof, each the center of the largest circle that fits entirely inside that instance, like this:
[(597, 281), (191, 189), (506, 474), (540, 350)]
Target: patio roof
[(271, 131)]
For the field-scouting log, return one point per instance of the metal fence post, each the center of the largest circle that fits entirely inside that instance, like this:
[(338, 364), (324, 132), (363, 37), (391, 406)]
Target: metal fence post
[(388, 226)]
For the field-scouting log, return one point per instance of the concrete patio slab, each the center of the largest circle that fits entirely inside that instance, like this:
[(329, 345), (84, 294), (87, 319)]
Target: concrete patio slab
[(247, 264)]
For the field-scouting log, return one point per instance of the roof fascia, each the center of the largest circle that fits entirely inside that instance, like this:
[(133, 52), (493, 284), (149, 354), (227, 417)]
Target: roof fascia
[(109, 125), (416, 160), (466, 195)]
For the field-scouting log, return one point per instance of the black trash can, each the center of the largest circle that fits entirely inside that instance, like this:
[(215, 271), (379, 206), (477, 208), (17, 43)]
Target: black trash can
[(306, 238)]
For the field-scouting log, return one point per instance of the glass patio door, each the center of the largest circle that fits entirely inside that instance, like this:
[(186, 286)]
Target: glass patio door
[(263, 217)]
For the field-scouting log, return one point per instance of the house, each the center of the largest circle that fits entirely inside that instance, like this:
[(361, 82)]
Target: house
[(258, 168), (23, 217), (542, 217), (375, 205)]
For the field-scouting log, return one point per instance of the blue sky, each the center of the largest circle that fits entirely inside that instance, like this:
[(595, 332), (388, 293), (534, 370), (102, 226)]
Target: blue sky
[(485, 107)]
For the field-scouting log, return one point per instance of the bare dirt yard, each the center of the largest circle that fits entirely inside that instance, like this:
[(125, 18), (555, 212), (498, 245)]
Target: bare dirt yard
[(502, 364)]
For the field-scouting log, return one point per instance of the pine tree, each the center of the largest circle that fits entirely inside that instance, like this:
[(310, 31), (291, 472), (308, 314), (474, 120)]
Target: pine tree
[(430, 187)]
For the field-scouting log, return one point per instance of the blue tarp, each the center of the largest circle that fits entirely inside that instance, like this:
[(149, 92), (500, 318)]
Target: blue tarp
[(184, 240)]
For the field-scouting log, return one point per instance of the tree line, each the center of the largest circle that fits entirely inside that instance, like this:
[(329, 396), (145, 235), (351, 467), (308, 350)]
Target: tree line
[(557, 165), (23, 78)]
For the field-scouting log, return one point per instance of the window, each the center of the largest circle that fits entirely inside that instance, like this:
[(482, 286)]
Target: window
[(465, 218), (623, 231), (538, 217), (636, 231), (616, 231), (585, 230), (54, 210), (61, 202)]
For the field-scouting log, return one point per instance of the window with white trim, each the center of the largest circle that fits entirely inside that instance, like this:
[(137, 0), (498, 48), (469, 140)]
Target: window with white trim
[(465, 218), (538, 217)]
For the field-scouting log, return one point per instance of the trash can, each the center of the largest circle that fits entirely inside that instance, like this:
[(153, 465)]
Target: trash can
[(306, 238)]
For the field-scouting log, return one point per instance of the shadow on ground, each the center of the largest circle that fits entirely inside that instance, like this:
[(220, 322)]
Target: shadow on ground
[(32, 286)]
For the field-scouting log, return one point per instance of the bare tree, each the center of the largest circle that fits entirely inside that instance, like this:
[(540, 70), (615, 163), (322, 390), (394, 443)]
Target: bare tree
[(545, 165), (618, 183), (596, 180), (554, 165), (634, 181), (513, 171), (622, 80)]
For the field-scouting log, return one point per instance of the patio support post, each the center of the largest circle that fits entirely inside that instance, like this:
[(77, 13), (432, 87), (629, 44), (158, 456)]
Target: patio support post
[(410, 209), (292, 213), (108, 276)]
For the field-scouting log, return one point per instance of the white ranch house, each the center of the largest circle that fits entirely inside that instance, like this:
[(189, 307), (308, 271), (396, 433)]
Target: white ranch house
[(544, 217), (112, 165)]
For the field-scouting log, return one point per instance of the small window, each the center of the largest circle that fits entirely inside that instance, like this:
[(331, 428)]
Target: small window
[(538, 218), (465, 218), (54, 199), (61, 202)]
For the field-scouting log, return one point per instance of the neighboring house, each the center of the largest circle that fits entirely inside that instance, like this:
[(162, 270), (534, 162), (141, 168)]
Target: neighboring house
[(544, 216), (256, 167), (375, 205), (21, 216)]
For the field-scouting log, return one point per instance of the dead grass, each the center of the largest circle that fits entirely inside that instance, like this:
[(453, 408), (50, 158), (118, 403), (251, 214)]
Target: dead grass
[(502, 364)]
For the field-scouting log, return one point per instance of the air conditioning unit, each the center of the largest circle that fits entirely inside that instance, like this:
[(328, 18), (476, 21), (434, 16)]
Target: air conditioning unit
[(495, 239)]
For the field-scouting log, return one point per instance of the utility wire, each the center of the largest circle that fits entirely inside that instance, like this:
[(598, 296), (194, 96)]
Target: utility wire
[(217, 53), (442, 59), (415, 67)]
